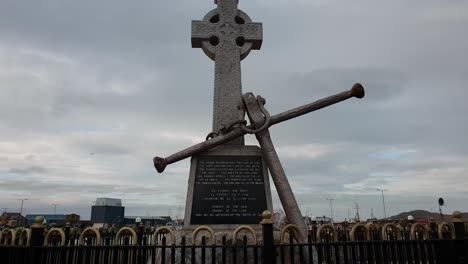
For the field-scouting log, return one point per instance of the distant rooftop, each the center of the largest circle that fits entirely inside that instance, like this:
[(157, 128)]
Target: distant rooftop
[(108, 202), (46, 216), (10, 214), (145, 217)]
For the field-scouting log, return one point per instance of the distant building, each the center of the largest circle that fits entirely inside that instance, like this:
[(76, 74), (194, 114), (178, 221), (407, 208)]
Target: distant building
[(49, 218), (72, 219), (12, 219), (59, 219), (108, 202), (107, 211), (148, 220), (322, 220)]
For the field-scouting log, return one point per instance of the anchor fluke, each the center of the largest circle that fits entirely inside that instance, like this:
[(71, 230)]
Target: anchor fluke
[(159, 164), (358, 91)]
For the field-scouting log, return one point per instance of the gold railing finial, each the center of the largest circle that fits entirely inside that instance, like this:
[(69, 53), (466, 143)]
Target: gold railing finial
[(266, 218), (38, 221), (457, 217)]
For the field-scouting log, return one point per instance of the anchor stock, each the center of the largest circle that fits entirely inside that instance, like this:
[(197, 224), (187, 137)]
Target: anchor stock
[(356, 91)]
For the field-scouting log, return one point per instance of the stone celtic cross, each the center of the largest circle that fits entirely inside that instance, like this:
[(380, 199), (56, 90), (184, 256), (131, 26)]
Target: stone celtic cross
[(226, 35)]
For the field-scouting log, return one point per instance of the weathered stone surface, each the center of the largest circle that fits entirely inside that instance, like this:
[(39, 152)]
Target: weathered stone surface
[(227, 35)]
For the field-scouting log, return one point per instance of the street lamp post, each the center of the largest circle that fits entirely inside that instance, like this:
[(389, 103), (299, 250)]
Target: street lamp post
[(331, 209), (22, 201), (383, 201), (55, 209), (20, 218)]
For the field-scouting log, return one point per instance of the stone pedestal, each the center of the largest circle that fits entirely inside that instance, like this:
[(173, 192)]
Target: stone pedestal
[(228, 187)]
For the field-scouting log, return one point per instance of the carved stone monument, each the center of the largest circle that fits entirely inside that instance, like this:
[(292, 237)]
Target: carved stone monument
[(228, 186), (229, 183)]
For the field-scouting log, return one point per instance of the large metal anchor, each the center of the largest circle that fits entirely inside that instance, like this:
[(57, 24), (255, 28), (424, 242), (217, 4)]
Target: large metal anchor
[(160, 163), (260, 121)]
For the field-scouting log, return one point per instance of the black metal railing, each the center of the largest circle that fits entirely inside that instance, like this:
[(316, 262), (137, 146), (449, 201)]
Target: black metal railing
[(398, 251), (325, 244)]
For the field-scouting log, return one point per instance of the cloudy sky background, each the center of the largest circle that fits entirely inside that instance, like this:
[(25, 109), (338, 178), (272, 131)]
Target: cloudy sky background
[(119, 79)]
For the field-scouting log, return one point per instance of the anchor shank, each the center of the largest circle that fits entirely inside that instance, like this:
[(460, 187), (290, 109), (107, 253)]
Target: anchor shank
[(273, 162), (285, 193)]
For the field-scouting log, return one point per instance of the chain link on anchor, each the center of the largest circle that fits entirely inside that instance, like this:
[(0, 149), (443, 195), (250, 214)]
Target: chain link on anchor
[(242, 124), (225, 130)]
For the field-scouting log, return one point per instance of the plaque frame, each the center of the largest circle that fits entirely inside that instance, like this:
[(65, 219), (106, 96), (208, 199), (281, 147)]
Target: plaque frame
[(225, 150)]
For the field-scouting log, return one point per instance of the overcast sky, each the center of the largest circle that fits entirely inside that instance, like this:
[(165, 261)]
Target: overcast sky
[(119, 79)]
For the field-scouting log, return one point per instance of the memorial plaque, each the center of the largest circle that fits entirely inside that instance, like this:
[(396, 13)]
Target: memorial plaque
[(228, 190)]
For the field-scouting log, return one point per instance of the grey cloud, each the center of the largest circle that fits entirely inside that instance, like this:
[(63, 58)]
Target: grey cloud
[(29, 170), (121, 80), (380, 84)]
